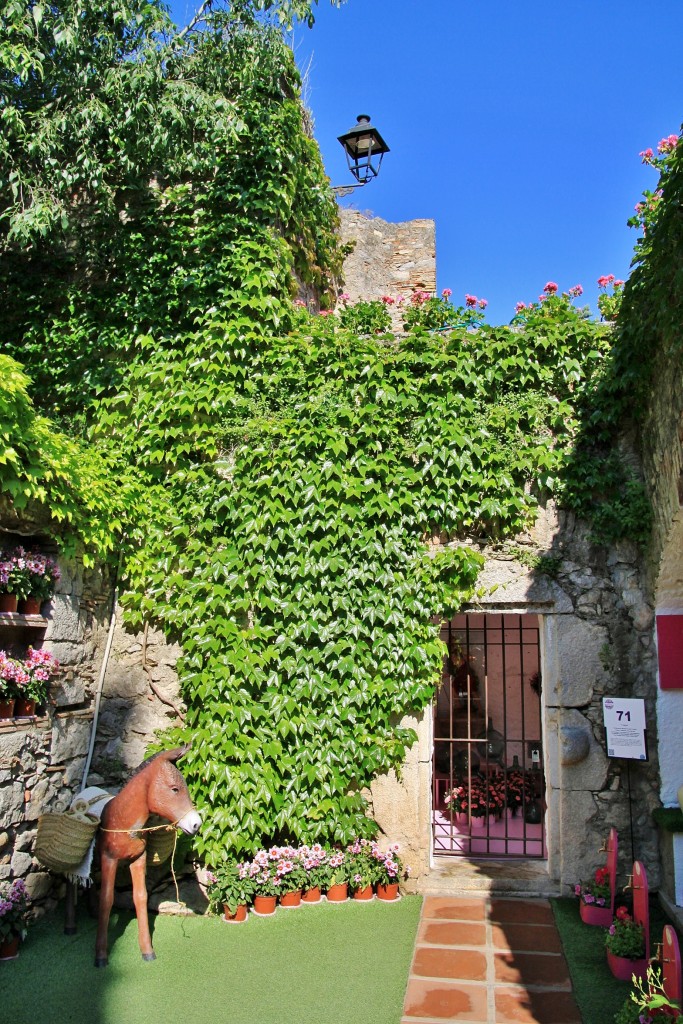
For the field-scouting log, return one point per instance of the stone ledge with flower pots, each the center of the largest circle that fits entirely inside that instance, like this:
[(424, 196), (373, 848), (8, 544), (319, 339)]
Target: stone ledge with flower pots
[(289, 877)]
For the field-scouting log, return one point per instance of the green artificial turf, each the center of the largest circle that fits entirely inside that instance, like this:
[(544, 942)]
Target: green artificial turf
[(325, 964), (597, 992)]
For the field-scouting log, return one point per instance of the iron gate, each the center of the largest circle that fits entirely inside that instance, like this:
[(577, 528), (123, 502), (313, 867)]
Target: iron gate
[(488, 788)]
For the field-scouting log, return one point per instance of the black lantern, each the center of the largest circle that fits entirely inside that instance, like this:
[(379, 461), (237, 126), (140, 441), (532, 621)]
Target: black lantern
[(364, 148)]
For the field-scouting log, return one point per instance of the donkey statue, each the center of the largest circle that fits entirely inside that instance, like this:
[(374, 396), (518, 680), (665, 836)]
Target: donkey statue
[(155, 787)]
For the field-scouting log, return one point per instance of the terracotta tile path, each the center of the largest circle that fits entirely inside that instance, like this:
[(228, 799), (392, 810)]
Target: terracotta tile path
[(488, 961)]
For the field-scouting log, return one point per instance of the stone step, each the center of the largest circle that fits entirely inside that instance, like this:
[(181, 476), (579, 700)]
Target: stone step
[(452, 876)]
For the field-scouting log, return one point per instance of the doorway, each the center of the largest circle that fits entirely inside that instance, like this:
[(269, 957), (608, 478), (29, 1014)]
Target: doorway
[(488, 784)]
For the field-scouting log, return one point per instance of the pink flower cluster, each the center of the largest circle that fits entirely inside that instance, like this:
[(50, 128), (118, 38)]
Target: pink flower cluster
[(471, 301), (667, 145), (28, 678), (419, 297), (609, 279)]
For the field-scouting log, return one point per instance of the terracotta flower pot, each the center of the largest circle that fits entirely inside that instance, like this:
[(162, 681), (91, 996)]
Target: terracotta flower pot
[(6, 707), (623, 969), (291, 899), (265, 905), (387, 892), (337, 893), (8, 602), (31, 606), (9, 948), (312, 895), (23, 708), (238, 917), (590, 914), (363, 894)]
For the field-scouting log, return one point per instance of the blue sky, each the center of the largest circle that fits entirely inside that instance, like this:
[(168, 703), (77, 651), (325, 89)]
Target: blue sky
[(516, 126)]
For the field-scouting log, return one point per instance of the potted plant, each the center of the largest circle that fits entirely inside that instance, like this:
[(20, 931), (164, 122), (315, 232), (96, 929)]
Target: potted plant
[(44, 574), (14, 579), (293, 877), (516, 790), (363, 869), (40, 667), (14, 905), (231, 888), (625, 944), (315, 863), (267, 887), (390, 870), (13, 677), (458, 800), (337, 877), (595, 898), (648, 1003)]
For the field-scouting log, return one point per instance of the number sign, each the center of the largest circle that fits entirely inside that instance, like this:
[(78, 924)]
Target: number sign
[(624, 720)]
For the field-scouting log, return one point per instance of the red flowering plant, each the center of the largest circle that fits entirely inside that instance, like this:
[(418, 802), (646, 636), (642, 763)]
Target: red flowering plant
[(609, 302), (496, 792), (519, 787), (651, 1000), (625, 938), (598, 891), (646, 210), (367, 316), (458, 798), (552, 304), (437, 312)]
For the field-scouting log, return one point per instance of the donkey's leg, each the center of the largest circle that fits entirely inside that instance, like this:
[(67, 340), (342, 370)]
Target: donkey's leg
[(138, 869), (70, 909), (108, 877)]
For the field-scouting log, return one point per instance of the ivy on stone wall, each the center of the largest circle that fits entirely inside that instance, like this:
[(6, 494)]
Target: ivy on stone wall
[(280, 471), (47, 475), (290, 485)]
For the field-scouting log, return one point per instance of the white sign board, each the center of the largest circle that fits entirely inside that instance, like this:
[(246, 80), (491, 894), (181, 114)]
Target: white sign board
[(624, 719)]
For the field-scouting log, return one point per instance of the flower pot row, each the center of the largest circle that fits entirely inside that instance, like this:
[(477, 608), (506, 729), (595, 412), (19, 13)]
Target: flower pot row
[(27, 578), (25, 683), (265, 906), (17, 707), (24, 606)]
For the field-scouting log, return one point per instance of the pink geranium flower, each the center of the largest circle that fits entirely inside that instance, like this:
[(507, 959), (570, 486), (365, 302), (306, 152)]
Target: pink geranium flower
[(550, 288)]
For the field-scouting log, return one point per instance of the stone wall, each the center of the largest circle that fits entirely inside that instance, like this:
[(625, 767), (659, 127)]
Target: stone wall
[(597, 640), (42, 759), (387, 259)]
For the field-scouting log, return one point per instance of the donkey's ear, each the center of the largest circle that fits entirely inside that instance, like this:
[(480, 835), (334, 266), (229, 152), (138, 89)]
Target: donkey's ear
[(177, 752)]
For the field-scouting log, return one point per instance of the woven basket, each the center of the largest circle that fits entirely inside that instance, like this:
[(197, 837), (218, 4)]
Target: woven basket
[(160, 842), (63, 840)]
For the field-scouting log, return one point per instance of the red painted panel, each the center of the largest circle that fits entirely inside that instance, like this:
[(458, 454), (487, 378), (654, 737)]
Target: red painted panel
[(670, 651)]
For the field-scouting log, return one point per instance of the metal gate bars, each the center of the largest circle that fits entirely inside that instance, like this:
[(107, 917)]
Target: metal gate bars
[(488, 789)]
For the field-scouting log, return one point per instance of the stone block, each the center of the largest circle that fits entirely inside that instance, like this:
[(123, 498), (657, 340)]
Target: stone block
[(67, 653), (574, 758), (578, 666), (39, 884), (124, 681), (21, 864), (12, 803), (64, 625), (70, 738), (145, 717), (70, 691), (582, 831), (507, 582)]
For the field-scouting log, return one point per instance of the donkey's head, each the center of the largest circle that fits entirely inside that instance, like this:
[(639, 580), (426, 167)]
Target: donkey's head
[(168, 795)]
